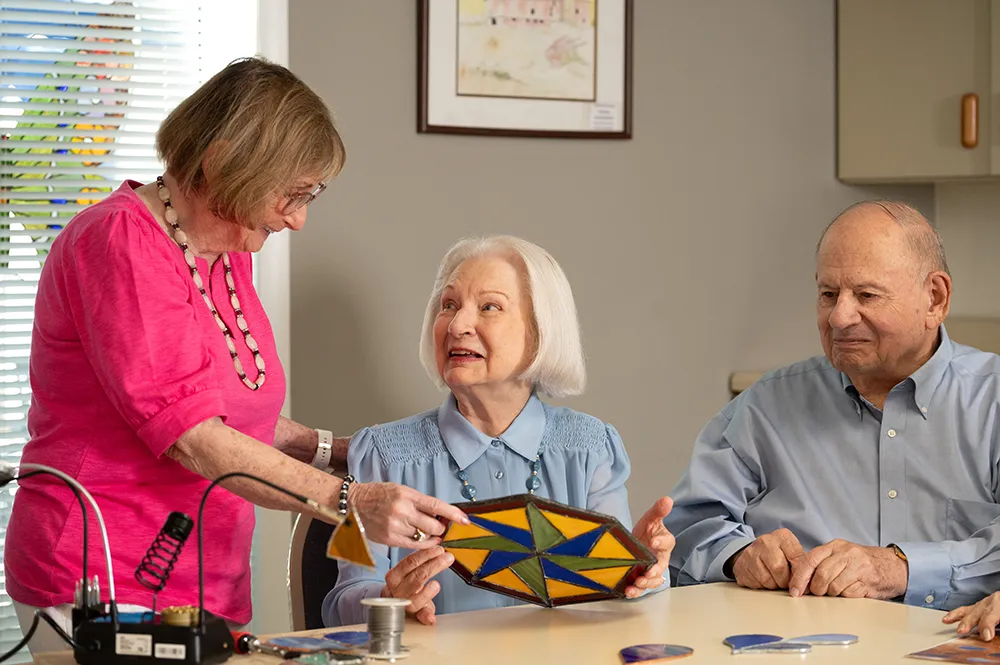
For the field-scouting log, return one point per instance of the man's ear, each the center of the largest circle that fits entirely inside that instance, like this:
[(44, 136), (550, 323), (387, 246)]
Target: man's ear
[(938, 287)]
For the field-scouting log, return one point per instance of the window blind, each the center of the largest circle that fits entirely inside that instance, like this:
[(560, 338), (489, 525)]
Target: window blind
[(85, 84)]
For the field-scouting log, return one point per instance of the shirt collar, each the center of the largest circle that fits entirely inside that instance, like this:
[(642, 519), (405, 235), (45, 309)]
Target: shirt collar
[(466, 444), (924, 380), (928, 378)]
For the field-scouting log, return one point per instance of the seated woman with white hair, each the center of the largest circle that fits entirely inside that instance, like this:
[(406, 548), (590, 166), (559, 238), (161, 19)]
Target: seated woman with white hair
[(500, 329)]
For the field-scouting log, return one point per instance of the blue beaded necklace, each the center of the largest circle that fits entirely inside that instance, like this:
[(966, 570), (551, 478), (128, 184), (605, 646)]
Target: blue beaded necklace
[(531, 484)]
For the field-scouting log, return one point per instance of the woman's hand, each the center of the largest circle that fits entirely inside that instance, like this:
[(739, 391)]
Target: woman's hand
[(410, 579), (984, 615), (649, 530), (399, 516)]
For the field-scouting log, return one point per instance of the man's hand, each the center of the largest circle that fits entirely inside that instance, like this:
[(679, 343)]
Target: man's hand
[(841, 568), (984, 616), (765, 564)]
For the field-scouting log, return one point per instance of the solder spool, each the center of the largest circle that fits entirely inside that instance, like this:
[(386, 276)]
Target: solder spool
[(386, 617)]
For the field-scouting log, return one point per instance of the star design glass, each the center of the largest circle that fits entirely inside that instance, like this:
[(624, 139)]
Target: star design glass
[(544, 552)]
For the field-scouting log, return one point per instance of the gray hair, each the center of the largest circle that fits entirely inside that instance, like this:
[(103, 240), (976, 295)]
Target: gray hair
[(923, 239), (558, 368)]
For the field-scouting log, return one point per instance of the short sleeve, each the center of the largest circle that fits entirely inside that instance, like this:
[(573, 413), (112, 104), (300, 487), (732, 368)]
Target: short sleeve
[(135, 314)]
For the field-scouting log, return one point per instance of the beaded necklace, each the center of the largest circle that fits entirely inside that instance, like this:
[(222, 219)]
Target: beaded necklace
[(181, 239), (531, 484)]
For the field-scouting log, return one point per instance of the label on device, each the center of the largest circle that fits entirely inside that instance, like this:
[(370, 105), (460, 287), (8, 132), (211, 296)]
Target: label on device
[(171, 651), (133, 645)]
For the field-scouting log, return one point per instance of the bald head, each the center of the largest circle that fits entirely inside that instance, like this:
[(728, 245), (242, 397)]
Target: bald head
[(921, 239)]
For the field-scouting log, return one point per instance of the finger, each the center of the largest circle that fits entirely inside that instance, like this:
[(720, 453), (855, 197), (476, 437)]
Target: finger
[(660, 509), (855, 590), (955, 614), (829, 570), (433, 507), (760, 573), (790, 545), (773, 558), (744, 572), (421, 598), (413, 561), (988, 623), (427, 614), (803, 568), (410, 581)]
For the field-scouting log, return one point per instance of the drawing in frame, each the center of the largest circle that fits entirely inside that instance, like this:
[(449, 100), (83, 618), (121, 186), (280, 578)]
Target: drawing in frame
[(546, 68)]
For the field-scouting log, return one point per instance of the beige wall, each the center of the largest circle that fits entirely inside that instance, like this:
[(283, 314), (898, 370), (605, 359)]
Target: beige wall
[(689, 247), (969, 221)]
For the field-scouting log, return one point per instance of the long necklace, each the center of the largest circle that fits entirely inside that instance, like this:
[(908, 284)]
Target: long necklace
[(181, 239), (531, 484)]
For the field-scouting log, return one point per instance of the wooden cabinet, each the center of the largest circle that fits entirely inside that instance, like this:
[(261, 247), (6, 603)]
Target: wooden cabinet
[(903, 69)]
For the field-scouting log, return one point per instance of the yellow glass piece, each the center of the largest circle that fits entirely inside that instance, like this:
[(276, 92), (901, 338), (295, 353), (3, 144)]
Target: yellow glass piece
[(348, 542), (570, 527), (507, 578), (608, 547), (471, 559), (608, 577), (517, 517), (559, 589), (462, 531)]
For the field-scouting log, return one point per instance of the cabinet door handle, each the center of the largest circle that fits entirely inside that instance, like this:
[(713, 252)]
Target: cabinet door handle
[(970, 120)]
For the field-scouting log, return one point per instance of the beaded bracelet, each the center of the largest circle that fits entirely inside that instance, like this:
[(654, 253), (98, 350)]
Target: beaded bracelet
[(342, 503)]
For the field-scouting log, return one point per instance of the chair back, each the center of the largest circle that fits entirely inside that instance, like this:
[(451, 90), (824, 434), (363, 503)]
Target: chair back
[(311, 574)]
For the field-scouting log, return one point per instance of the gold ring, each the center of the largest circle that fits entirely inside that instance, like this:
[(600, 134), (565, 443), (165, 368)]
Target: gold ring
[(419, 536)]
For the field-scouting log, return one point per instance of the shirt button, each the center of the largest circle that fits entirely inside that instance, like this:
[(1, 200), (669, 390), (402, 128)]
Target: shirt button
[(891, 433), (496, 443), (929, 599), (499, 475), (892, 494)]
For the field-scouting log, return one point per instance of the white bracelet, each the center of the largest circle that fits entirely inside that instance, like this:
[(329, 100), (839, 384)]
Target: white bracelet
[(324, 450)]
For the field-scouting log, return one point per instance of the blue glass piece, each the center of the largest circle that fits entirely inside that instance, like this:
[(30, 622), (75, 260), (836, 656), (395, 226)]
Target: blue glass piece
[(532, 483), (557, 572), (498, 560), (751, 640), (469, 492), (579, 546), (351, 637), (642, 653), (536, 466), (462, 475), (519, 536)]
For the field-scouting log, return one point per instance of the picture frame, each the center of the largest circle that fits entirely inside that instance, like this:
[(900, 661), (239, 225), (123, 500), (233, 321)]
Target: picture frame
[(531, 68)]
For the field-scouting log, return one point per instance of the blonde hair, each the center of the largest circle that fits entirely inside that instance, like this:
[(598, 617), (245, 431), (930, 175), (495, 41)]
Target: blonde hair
[(256, 128), (558, 368)]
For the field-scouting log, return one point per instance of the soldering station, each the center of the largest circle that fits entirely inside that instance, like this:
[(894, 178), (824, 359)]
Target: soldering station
[(190, 635)]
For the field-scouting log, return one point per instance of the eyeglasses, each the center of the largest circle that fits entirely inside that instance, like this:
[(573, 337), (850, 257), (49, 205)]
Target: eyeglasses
[(296, 201)]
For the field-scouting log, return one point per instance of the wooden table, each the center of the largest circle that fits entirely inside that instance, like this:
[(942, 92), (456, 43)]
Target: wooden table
[(699, 617)]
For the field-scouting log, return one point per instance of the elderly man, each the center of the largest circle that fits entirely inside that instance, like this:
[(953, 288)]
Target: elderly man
[(870, 472)]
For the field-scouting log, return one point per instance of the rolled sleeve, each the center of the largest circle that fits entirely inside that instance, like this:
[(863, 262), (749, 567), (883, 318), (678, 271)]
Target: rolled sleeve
[(929, 582)]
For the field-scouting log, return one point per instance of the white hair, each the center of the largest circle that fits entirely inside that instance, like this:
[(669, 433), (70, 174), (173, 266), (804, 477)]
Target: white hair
[(558, 368)]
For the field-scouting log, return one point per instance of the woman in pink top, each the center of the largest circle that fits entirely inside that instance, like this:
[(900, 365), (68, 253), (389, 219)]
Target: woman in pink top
[(153, 365)]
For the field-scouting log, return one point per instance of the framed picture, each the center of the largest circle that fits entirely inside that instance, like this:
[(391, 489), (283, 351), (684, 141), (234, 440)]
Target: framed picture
[(549, 68)]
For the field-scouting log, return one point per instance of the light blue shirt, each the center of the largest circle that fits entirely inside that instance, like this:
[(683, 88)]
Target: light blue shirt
[(801, 449), (584, 465)]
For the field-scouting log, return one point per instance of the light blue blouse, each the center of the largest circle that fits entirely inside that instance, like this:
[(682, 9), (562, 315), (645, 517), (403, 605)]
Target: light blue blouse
[(584, 465)]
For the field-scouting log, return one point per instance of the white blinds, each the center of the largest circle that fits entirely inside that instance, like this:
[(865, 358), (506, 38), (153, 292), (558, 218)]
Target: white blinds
[(84, 87)]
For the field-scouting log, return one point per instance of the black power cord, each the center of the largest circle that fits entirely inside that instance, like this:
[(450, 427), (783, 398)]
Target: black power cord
[(201, 513), (5, 480)]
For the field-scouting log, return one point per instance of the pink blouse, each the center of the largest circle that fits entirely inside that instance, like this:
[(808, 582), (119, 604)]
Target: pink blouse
[(125, 357)]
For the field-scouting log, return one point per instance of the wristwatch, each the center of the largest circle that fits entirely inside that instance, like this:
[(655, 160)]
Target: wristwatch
[(324, 450), (898, 552)]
